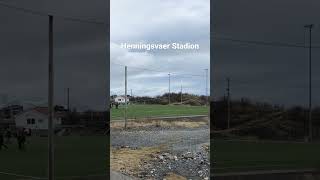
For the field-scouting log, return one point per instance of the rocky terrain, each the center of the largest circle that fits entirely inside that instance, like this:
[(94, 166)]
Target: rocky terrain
[(160, 152)]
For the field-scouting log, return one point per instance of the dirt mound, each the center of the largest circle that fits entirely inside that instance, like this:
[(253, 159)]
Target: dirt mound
[(271, 126)]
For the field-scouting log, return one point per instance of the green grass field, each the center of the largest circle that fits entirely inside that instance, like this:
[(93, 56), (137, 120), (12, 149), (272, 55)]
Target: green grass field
[(141, 111), (74, 156), (233, 156)]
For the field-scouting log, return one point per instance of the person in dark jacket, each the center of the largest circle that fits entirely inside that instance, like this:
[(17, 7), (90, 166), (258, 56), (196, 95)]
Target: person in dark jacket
[(2, 141), (8, 136), (21, 138)]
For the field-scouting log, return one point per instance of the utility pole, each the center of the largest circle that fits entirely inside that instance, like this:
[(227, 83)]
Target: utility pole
[(68, 105), (228, 96), (310, 26), (169, 88), (68, 99), (207, 98), (11, 111), (181, 94), (131, 94), (50, 103), (125, 98)]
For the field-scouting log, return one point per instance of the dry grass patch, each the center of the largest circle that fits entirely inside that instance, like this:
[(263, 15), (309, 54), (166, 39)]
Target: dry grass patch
[(185, 124), (160, 123), (130, 161), (132, 124), (172, 176), (206, 147)]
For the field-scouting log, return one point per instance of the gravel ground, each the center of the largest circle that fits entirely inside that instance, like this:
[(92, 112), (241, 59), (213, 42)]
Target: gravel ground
[(186, 139), (185, 154)]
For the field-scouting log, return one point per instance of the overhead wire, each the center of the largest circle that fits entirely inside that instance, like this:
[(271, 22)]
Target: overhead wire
[(161, 71), (40, 13), (264, 43)]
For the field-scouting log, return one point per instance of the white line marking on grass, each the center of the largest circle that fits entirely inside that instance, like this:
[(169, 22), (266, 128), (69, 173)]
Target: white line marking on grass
[(25, 177), (22, 176)]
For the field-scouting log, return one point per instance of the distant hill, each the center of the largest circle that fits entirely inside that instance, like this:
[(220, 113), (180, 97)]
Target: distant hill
[(175, 98), (263, 120)]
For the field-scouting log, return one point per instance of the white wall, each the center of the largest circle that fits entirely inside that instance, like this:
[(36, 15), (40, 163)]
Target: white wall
[(121, 99), (41, 120)]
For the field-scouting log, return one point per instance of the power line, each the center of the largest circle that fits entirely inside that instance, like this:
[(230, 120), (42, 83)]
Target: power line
[(187, 75), (162, 71), (135, 67), (278, 44), (263, 43), (39, 13)]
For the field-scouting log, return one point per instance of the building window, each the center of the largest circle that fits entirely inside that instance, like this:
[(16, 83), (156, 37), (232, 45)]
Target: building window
[(31, 121), (40, 120)]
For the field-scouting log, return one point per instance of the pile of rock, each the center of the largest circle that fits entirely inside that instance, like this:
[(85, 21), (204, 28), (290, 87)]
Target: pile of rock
[(193, 165), (166, 157)]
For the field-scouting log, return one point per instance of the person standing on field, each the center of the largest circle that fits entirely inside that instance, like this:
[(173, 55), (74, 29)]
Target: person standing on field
[(8, 136), (21, 138), (2, 141)]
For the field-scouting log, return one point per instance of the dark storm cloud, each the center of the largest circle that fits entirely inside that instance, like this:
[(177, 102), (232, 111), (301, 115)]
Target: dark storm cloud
[(79, 52), (274, 74)]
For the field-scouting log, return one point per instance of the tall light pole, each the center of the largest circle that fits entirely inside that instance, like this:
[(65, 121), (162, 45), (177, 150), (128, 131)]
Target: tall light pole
[(181, 93), (169, 88), (228, 101), (50, 103), (68, 99), (310, 26), (207, 98), (125, 97)]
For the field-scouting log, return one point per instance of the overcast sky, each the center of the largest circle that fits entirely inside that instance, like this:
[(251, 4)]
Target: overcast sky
[(79, 53), (159, 21), (273, 74)]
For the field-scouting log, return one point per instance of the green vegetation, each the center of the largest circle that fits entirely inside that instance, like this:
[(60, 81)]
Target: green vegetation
[(263, 120), (74, 156), (236, 156), (141, 111), (175, 98)]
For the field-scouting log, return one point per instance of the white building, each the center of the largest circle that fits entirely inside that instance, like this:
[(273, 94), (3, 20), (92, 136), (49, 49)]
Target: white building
[(36, 118), (121, 99)]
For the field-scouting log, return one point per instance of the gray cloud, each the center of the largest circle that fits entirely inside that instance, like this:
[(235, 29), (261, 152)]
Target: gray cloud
[(79, 52), (274, 74), (159, 21)]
